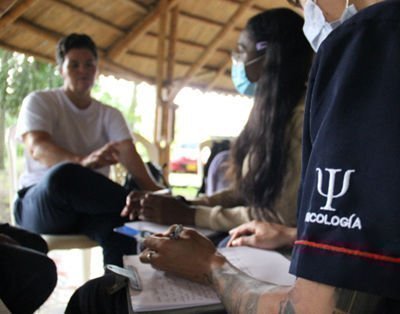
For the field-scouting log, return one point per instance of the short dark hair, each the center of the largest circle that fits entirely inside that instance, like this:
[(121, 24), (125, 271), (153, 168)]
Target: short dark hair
[(296, 3), (74, 41)]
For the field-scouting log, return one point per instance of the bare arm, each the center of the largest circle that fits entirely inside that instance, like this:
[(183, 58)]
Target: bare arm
[(131, 160), (243, 294), (42, 148)]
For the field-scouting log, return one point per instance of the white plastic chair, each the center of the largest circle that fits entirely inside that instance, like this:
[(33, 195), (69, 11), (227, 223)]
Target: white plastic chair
[(152, 150), (54, 242)]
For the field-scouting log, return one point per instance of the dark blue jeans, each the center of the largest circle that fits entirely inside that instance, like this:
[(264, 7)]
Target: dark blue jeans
[(74, 199), (27, 275)]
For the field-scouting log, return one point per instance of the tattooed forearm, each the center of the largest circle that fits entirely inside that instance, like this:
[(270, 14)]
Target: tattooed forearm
[(349, 301), (287, 307), (238, 292)]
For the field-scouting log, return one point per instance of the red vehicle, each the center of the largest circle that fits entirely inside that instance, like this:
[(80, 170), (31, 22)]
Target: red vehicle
[(184, 158)]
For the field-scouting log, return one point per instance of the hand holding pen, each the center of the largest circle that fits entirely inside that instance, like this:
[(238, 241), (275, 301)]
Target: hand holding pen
[(182, 251)]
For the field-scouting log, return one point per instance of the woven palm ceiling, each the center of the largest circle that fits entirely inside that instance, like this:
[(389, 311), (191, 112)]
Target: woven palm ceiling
[(166, 42)]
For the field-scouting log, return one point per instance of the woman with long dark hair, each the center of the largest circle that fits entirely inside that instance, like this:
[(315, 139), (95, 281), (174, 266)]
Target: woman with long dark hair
[(271, 63), (268, 147)]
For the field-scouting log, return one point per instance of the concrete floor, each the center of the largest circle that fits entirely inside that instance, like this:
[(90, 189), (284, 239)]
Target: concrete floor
[(70, 277)]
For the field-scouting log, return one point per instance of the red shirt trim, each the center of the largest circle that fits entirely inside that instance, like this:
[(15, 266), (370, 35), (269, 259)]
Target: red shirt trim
[(339, 249)]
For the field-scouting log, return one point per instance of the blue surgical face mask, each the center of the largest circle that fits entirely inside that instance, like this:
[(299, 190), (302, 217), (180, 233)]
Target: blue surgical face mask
[(239, 77), (316, 28), (240, 80)]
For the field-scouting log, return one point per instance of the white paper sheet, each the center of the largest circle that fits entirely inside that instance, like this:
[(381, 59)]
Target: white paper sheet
[(268, 266), (163, 291)]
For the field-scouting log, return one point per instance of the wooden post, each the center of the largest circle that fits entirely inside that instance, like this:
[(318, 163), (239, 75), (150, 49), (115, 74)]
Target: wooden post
[(161, 105)]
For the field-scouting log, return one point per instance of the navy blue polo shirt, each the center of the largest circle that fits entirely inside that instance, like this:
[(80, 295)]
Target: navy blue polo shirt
[(349, 201)]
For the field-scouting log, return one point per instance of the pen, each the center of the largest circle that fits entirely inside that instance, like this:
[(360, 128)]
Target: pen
[(162, 192), (142, 236), (176, 232)]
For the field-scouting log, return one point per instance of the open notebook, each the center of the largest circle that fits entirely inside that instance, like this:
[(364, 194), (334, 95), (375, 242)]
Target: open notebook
[(163, 291)]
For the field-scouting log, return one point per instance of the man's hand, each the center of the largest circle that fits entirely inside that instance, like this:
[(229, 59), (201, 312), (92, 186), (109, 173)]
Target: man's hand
[(166, 210), (263, 235), (104, 156), (191, 256)]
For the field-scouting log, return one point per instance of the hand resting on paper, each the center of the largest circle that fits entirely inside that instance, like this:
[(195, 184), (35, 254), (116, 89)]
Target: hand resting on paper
[(263, 235), (191, 256), (166, 210), (132, 204)]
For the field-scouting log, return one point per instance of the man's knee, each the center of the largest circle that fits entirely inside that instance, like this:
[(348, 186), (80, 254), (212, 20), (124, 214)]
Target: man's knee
[(64, 170)]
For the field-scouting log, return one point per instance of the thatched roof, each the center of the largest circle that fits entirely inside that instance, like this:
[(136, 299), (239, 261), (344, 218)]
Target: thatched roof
[(183, 42)]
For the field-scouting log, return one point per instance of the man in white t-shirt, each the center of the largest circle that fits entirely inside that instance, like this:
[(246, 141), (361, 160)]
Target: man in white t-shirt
[(70, 141)]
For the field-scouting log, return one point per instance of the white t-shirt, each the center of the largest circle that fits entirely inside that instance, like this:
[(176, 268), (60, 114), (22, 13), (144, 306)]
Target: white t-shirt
[(76, 130)]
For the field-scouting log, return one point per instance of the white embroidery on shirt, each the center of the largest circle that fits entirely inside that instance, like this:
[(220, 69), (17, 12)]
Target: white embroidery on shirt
[(350, 222), (331, 187)]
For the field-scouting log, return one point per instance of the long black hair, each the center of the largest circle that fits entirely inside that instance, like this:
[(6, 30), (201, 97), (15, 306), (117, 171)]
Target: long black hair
[(280, 88)]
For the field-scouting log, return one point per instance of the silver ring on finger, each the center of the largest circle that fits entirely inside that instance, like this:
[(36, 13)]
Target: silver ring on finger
[(149, 255)]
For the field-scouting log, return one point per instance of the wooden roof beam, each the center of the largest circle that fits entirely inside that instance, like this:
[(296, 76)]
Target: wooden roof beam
[(27, 52), (189, 43), (173, 39), (137, 6), (38, 30), (204, 20), (140, 29), (14, 13), (6, 5), (220, 73), (88, 15), (212, 47)]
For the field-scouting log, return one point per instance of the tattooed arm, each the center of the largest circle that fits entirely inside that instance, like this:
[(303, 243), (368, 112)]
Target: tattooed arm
[(243, 294), (194, 257)]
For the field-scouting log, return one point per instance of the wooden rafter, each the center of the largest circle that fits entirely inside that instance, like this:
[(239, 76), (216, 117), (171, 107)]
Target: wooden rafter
[(37, 30), (6, 5), (162, 25), (87, 15), (212, 47), (14, 13), (173, 29), (27, 52), (136, 5), (151, 57), (135, 33), (190, 43), (173, 39), (220, 73)]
